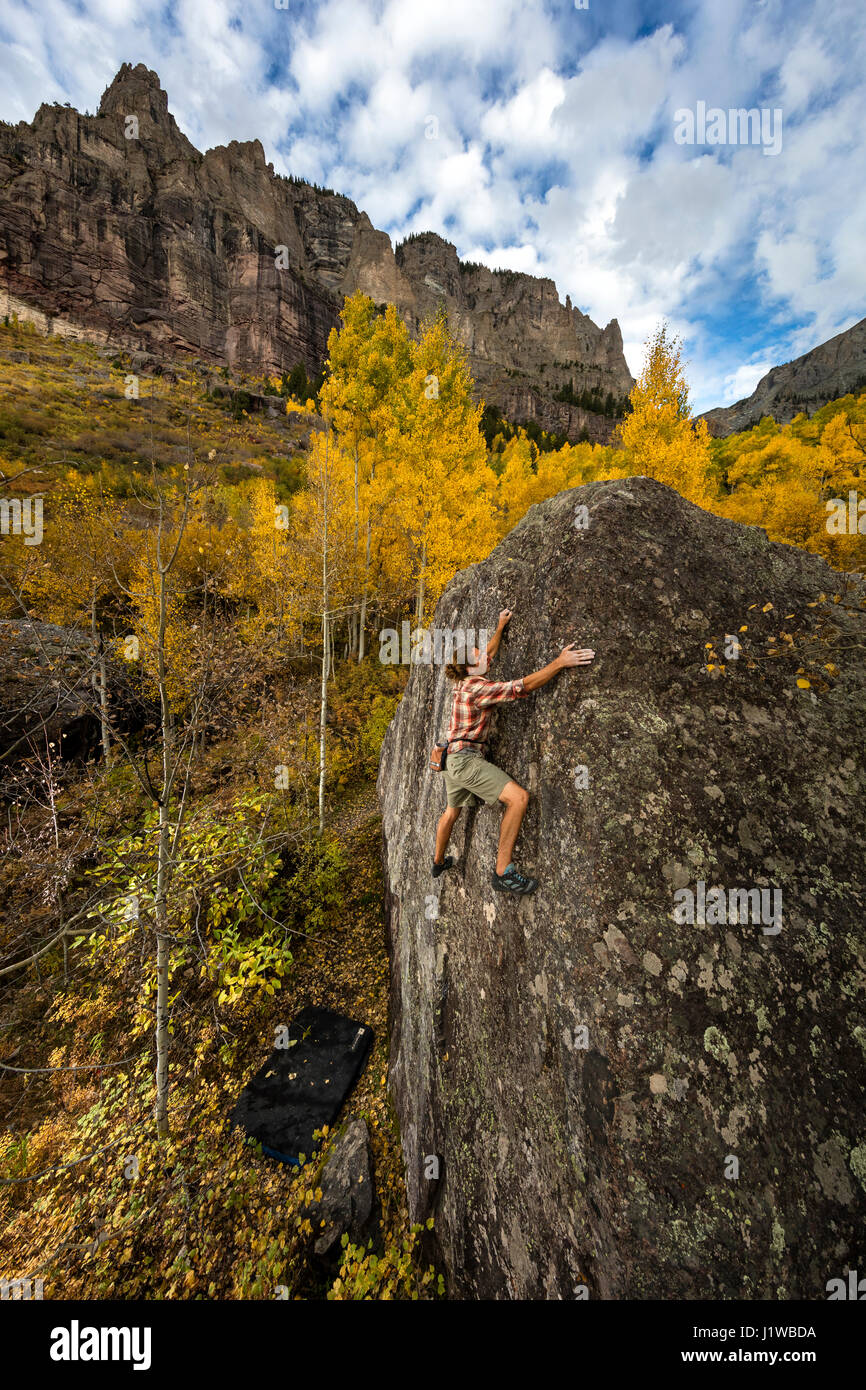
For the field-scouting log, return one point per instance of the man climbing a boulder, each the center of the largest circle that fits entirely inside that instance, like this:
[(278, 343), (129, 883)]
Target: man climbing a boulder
[(468, 775)]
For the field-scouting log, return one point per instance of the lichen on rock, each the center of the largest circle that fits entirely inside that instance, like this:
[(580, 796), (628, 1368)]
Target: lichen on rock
[(584, 1066)]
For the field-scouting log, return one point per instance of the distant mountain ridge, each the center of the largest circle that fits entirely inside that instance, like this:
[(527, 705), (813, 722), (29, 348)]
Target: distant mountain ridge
[(830, 370), (116, 227)]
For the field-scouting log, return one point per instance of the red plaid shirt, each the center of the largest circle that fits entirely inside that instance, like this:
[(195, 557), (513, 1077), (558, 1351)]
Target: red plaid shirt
[(472, 710)]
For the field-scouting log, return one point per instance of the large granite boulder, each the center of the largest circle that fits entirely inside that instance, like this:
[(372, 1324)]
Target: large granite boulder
[(596, 1095)]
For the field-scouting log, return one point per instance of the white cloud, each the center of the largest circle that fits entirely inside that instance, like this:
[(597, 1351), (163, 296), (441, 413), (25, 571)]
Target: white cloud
[(554, 150), (525, 122), (806, 73), (790, 263), (741, 383)]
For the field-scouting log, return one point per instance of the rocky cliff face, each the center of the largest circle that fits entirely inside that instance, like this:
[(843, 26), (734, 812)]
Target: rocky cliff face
[(594, 1092), (804, 385), (523, 345), (115, 225)]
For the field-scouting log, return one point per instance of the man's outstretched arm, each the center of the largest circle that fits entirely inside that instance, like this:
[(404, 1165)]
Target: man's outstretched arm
[(569, 656), (493, 642)]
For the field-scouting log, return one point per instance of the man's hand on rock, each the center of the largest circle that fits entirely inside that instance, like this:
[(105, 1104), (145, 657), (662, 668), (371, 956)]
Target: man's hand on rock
[(575, 656), (504, 617)]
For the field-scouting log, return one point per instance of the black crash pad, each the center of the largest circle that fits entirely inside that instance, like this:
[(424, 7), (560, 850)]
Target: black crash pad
[(303, 1086)]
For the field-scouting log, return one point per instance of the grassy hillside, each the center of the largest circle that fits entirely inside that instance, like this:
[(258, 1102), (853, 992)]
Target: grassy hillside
[(64, 405)]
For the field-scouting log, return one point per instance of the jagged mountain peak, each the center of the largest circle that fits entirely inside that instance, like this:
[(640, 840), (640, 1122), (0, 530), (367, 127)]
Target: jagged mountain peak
[(828, 371), (121, 229), (129, 84)]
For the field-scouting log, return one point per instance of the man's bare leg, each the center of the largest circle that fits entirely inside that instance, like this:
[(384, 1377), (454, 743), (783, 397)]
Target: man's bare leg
[(515, 800), (447, 821)]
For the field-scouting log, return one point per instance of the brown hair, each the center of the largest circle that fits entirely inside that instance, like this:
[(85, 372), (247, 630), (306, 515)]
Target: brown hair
[(456, 671)]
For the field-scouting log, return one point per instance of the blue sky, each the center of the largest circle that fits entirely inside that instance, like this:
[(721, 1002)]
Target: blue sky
[(553, 148)]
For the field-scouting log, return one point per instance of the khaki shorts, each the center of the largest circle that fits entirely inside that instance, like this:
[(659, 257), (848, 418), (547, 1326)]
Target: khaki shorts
[(470, 778)]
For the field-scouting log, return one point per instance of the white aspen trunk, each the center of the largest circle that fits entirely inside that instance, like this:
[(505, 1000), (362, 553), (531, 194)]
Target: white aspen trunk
[(419, 607), (99, 680), (362, 619), (363, 615), (50, 784), (103, 704)]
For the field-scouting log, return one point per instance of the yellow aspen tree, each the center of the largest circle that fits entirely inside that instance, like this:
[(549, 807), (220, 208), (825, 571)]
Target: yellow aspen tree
[(842, 453), (368, 357), (83, 565), (319, 542), (160, 636), (447, 495), (659, 435), (529, 476), (274, 581), (163, 645)]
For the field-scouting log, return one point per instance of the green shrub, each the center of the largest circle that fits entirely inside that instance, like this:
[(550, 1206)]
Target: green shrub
[(365, 1277), (227, 892)]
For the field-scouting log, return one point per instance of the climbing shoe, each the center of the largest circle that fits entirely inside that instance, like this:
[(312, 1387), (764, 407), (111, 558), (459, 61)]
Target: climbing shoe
[(513, 881), (447, 863)]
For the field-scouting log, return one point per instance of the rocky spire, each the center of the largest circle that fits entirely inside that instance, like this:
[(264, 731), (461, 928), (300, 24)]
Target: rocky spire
[(136, 92)]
